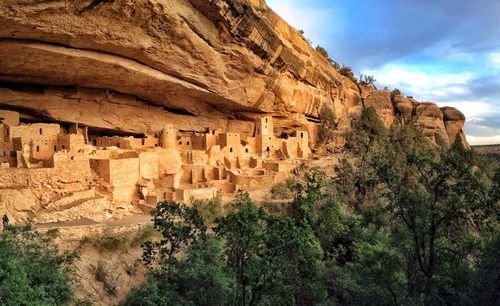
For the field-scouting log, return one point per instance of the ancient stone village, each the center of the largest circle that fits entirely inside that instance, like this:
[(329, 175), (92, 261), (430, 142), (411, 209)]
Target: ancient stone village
[(213, 152), (142, 171)]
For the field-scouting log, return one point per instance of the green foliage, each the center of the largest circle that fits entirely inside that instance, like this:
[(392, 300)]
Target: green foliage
[(284, 190), (83, 302), (366, 132), (106, 242), (272, 258), (428, 201), (209, 209), (395, 92), (32, 270), (179, 225), (328, 124), (347, 72), (378, 264), (322, 51), (144, 234)]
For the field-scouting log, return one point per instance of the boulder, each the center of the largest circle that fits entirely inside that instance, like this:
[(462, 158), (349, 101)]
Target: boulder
[(429, 118), (403, 107)]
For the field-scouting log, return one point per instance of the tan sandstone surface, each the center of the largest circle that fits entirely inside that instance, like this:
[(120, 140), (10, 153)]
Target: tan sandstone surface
[(193, 63)]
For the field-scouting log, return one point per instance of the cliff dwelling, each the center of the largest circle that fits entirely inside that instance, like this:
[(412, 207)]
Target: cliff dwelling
[(168, 165)]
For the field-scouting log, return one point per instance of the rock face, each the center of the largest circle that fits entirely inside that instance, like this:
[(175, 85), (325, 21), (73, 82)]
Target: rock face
[(454, 123), (429, 119), (131, 66), (380, 100)]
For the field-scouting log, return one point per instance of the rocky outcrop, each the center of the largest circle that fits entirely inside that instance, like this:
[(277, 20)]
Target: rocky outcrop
[(210, 59), (403, 108), (380, 100), (131, 66), (429, 118), (454, 121)]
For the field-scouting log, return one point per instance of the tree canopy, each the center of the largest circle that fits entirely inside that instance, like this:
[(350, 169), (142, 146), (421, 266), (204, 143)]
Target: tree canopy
[(402, 222)]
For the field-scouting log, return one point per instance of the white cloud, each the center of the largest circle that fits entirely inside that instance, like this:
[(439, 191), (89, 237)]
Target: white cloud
[(474, 111), (495, 59), (427, 86), (310, 19), (482, 140)]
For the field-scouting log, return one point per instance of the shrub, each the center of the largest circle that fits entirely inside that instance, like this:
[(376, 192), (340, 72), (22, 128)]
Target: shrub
[(328, 124), (147, 232), (347, 72), (366, 79), (395, 92), (322, 51), (209, 209), (102, 275), (284, 190), (107, 242), (83, 302)]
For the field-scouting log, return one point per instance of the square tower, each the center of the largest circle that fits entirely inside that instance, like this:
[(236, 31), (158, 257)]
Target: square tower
[(264, 126), (303, 142), (264, 135)]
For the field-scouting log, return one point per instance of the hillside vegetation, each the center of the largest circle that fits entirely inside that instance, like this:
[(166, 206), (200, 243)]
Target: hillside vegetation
[(402, 222)]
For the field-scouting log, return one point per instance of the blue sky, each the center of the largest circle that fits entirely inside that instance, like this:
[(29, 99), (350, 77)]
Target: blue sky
[(445, 51)]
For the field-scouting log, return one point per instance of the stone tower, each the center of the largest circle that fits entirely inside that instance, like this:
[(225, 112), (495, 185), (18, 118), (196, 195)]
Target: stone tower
[(168, 137), (264, 135)]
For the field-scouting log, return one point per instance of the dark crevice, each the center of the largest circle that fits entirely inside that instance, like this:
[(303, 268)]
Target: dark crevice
[(40, 89), (178, 111), (102, 132), (35, 88), (93, 4), (312, 119)]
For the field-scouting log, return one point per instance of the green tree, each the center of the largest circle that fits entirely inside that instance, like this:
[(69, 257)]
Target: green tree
[(376, 276), (274, 261), (202, 278), (328, 124), (429, 200), (179, 225), (347, 72), (33, 271)]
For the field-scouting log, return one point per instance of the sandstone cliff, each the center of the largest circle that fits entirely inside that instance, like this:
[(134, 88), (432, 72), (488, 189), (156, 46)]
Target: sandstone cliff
[(133, 65)]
